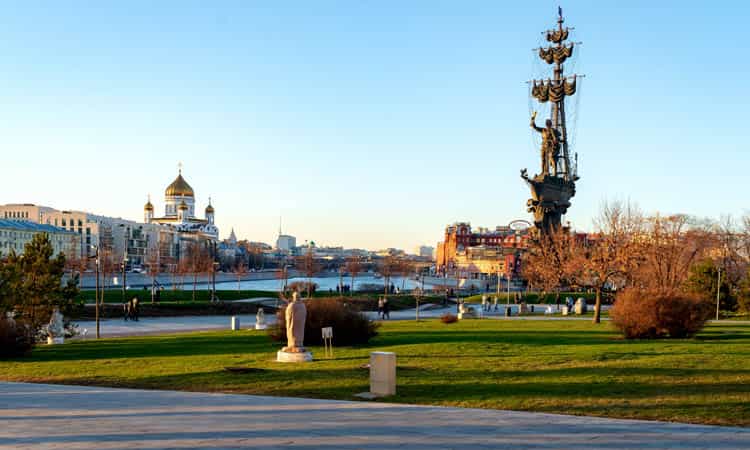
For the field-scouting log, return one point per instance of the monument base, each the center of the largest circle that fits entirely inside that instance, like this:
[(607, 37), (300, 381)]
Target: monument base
[(282, 356), (260, 326), (57, 340)]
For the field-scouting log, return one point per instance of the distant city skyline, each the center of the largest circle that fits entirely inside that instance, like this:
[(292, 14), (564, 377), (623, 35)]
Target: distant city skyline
[(365, 125)]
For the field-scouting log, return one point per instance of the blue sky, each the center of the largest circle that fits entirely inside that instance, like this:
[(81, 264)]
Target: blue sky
[(367, 124)]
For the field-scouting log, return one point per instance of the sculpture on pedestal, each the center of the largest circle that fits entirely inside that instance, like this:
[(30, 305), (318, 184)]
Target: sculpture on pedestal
[(260, 320), (56, 328), (295, 316)]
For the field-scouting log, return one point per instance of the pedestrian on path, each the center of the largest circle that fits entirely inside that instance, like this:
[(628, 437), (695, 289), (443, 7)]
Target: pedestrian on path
[(386, 309), (380, 308), (134, 309)]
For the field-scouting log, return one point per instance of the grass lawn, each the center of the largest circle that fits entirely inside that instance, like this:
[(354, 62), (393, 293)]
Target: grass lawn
[(571, 367)]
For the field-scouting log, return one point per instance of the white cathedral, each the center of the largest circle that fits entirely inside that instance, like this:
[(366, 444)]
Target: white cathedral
[(179, 211)]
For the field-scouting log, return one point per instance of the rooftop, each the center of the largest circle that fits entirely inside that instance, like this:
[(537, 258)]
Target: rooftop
[(23, 225)]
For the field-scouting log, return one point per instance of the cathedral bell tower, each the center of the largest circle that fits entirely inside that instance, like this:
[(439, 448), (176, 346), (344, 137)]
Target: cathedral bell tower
[(148, 211), (210, 212)]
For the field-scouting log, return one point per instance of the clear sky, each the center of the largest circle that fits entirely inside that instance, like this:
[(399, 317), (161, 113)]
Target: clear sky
[(365, 124)]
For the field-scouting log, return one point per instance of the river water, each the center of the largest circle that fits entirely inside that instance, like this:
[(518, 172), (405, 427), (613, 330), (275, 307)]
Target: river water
[(324, 283)]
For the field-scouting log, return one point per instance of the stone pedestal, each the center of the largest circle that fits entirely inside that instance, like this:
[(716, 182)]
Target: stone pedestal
[(56, 340), (282, 356), (580, 306), (260, 326), (382, 374), (235, 323), (565, 311)]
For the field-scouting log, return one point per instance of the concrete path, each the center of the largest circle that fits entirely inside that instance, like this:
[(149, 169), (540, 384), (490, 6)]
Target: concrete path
[(164, 325), (180, 324), (37, 416)]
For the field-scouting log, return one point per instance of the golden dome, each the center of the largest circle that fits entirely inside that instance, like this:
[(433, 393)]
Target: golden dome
[(209, 209), (182, 206), (179, 187), (149, 207)]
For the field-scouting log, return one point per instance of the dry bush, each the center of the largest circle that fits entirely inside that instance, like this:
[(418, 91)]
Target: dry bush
[(14, 339), (649, 315), (350, 327), (448, 318)]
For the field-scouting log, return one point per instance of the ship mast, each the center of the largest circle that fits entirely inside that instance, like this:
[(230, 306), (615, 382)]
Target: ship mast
[(556, 89), (558, 108)]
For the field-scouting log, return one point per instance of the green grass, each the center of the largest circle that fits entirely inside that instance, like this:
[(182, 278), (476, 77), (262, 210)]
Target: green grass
[(570, 367)]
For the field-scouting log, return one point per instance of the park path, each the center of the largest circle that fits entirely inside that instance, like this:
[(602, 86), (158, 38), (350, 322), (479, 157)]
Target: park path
[(180, 324), (42, 416)]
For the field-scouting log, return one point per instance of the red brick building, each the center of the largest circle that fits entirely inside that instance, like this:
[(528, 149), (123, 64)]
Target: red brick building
[(480, 251)]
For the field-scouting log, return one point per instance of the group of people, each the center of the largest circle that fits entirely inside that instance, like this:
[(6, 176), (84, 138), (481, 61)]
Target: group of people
[(343, 289), (487, 305), (384, 310), (130, 309)]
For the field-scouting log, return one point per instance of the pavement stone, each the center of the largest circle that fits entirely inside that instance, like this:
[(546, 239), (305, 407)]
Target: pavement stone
[(42, 416)]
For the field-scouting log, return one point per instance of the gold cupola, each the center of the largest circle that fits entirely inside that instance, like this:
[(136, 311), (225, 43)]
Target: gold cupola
[(179, 188)]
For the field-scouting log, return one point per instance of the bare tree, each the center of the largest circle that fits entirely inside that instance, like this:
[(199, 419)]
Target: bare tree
[(240, 270), (388, 267), (354, 267), (552, 259), (613, 252), (153, 267), (670, 245), (309, 267)]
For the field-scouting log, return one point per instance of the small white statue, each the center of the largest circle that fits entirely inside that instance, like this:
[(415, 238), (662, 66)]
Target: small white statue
[(56, 328), (260, 320)]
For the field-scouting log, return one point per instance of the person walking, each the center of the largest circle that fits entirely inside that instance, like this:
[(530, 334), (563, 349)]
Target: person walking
[(126, 310), (386, 309), (134, 309), (380, 308)]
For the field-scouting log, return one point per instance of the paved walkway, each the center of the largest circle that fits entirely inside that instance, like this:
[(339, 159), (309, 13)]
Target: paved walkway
[(164, 325), (44, 416), (179, 324)]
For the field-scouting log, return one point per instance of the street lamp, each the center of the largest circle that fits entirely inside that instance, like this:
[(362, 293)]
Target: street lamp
[(213, 290), (96, 288), (124, 275)]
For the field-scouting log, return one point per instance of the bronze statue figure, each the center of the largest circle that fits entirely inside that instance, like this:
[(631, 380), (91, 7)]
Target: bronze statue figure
[(550, 145)]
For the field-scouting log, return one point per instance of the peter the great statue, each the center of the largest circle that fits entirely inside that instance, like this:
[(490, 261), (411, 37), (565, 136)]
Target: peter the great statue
[(554, 186)]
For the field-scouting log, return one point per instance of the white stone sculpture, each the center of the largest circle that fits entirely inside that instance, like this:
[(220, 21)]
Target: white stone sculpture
[(56, 328), (296, 313), (260, 320)]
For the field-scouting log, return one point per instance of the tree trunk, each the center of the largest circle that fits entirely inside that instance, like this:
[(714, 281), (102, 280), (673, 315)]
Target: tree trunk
[(195, 281), (598, 305)]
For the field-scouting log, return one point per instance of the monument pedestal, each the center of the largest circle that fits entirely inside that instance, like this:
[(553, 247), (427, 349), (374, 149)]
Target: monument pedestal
[(282, 356), (260, 326), (57, 340)]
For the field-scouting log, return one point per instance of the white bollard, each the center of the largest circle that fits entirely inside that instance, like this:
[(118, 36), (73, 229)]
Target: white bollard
[(235, 323), (382, 374)]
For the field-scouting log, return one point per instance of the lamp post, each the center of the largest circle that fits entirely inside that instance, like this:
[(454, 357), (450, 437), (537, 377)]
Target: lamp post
[(508, 298), (124, 275), (718, 293), (96, 289)]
